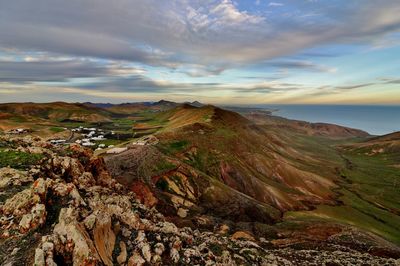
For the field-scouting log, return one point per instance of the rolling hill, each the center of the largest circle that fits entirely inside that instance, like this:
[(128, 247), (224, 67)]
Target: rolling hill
[(217, 166), (53, 111)]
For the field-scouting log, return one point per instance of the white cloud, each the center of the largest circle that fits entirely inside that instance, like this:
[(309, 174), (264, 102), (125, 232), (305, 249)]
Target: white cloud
[(275, 4), (226, 12)]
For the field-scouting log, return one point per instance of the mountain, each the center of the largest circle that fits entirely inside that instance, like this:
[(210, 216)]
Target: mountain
[(57, 111), (218, 164), (382, 145), (395, 136), (313, 129), (218, 152), (195, 104)]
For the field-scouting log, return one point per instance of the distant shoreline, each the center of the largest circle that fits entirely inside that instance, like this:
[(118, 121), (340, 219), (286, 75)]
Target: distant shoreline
[(375, 119)]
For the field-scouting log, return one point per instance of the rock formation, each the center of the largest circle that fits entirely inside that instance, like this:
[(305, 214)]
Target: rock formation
[(67, 210)]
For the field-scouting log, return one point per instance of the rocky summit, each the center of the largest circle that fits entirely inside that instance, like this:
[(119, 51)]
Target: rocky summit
[(66, 209)]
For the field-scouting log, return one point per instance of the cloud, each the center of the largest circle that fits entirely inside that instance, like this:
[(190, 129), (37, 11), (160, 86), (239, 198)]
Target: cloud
[(196, 71), (306, 65), (227, 13), (179, 32), (34, 69), (47, 71), (390, 80), (123, 45), (275, 4), (352, 87)]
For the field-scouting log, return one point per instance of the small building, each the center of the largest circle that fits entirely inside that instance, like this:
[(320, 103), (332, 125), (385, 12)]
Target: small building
[(57, 141), (101, 137), (116, 150), (18, 131), (88, 144)]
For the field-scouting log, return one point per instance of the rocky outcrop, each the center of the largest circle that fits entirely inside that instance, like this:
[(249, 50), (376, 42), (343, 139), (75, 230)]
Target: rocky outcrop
[(75, 214), (12, 177), (104, 237), (72, 241)]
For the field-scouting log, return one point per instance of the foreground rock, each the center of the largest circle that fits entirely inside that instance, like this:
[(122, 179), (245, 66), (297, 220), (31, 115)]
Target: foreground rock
[(72, 212)]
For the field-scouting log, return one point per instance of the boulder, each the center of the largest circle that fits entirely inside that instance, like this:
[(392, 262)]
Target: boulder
[(68, 166), (39, 188), (76, 197), (146, 251), (174, 255), (39, 258), (62, 189), (38, 215), (144, 194), (223, 229), (104, 237), (13, 177), (25, 223), (90, 221), (20, 203), (159, 248), (182, 212), (136, 260), (85, 180), (242, 235), (34, 219), (123, 254), (78, 150), (168, 228), (72, 237)]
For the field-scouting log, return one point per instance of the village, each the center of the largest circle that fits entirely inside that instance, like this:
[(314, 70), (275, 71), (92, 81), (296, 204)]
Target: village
[(92, 137)]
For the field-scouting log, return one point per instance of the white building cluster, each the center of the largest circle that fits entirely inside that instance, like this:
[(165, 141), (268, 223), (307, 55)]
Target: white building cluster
[(17, 131), (90, 135), (86, 137)]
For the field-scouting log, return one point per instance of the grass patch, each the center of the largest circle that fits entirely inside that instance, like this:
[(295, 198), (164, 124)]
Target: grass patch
[(203, 161), (178, 146), (173, 147), (163, 166), (18, 119), (19, 160), (226, 133), (56, 129), (109, 142)]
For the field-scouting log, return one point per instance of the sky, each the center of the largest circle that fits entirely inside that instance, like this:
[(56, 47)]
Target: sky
[(213, 51)]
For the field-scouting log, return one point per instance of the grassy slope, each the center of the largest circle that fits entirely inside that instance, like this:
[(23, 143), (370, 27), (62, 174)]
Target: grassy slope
[(370, 193)]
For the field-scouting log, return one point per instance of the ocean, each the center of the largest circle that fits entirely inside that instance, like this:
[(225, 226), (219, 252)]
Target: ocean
[(376, 120)]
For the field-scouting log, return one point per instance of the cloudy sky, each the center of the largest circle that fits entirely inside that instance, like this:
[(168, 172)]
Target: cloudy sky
[(215, 51)]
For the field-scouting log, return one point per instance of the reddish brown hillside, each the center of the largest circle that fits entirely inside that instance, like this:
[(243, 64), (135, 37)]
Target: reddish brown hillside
[(216, 161), (312, 129), (53, 111)]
